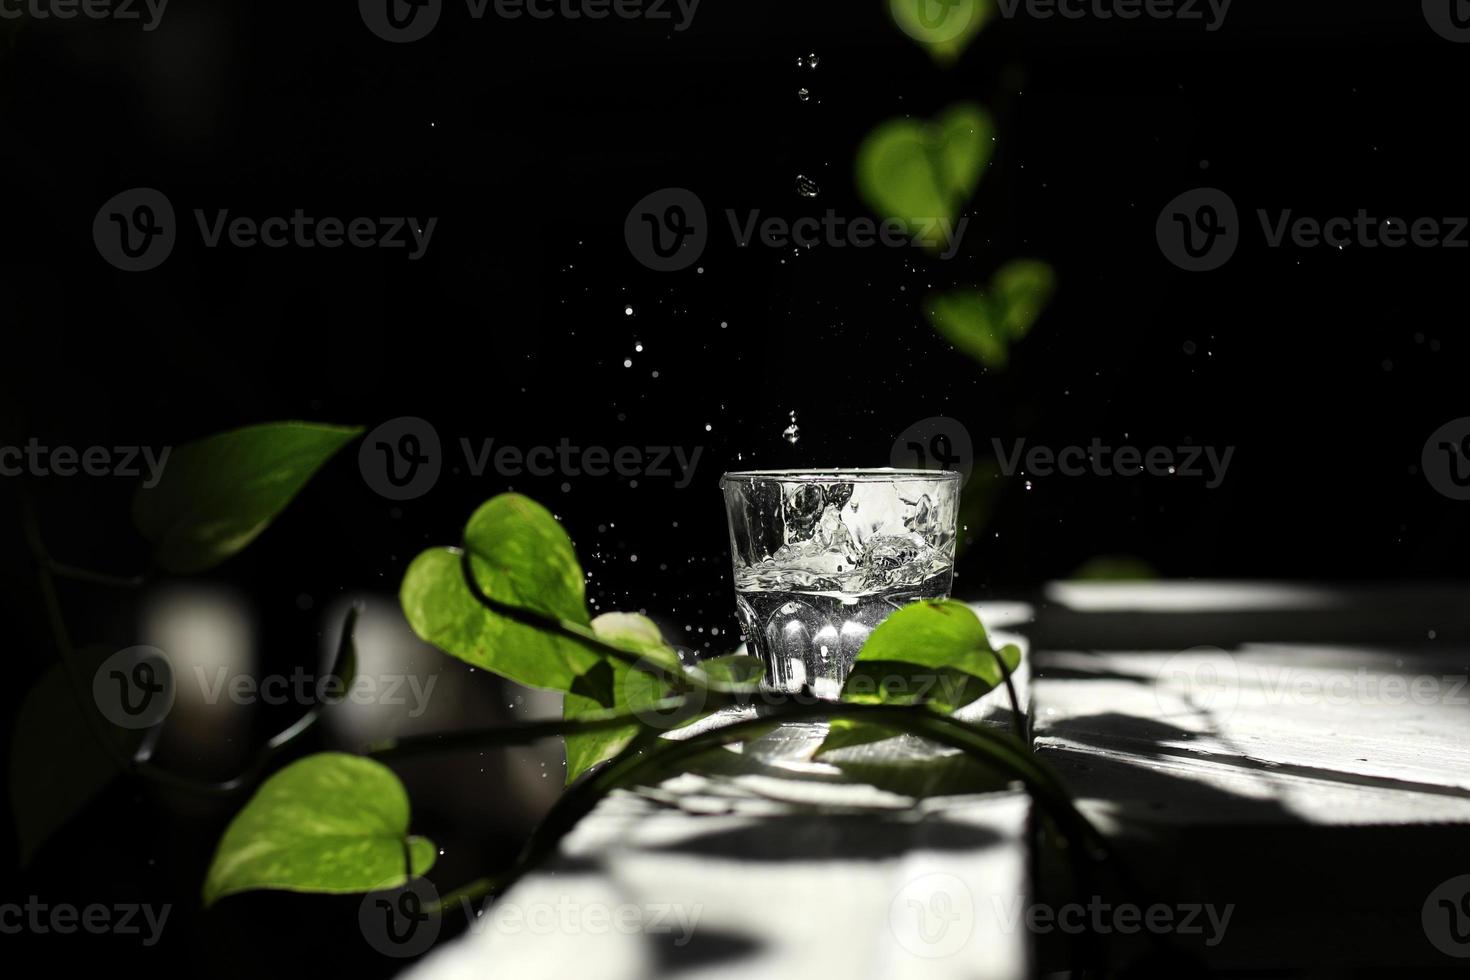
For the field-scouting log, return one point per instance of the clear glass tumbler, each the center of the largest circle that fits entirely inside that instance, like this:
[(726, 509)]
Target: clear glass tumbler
[(822, 557)]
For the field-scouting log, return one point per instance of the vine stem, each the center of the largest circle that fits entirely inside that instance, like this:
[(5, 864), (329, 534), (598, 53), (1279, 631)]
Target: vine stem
[(641, 758)]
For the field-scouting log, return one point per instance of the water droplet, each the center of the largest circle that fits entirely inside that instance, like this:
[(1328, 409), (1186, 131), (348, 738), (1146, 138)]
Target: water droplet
[(806, 187), (792, 433), (627, 311), (810, 61), (803, 94)]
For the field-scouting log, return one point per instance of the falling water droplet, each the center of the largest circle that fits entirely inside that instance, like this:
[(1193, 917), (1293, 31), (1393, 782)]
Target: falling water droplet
[(810, 61), (803, 94), (792, 433), (807, 187)]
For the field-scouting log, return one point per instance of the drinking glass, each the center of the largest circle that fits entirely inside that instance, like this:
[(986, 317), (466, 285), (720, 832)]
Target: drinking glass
[(822, 557)]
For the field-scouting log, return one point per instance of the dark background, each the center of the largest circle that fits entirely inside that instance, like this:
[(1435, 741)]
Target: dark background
[(529, 140)]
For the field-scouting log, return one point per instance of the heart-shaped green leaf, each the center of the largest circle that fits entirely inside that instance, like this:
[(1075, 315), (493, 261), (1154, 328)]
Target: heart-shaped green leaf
[(218, 494), (944, 27), (985, 323), (330, 823), (933, 653), (923, 173), (523, 558)]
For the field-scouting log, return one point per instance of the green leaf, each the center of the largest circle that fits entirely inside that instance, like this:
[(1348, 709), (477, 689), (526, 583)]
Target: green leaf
[(441, 610), (57, 767), (619, 686), (218, 494), (329, 823), (985, 324), (523, 558), (923, 173), (945, 28), (939, 633), (934, 653)]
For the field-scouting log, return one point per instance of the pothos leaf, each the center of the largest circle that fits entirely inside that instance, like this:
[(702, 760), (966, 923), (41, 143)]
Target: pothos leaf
[(986, 323), (331, 823), (923, 173), (217, 495)]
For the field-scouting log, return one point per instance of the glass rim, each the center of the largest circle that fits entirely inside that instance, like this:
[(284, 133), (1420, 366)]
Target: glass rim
[(837, 475)]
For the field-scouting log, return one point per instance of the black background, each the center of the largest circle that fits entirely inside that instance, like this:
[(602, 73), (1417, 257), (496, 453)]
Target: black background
[(530, 141)]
